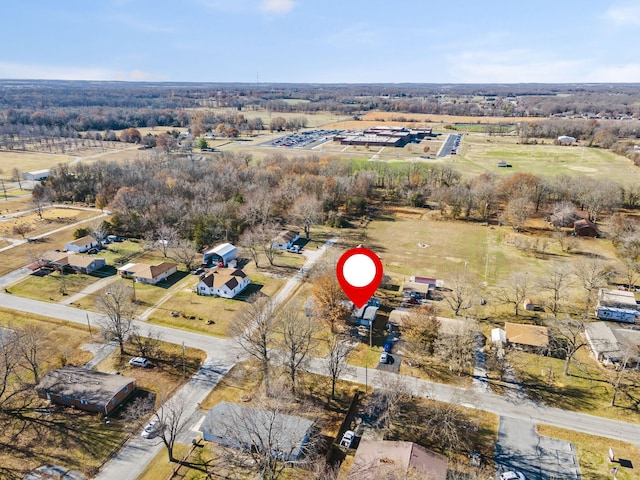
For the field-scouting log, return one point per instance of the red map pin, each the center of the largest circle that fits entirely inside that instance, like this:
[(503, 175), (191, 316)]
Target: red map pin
[(359, 272)]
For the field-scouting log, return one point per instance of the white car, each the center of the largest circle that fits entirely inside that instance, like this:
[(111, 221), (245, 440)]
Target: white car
[(139, 362), (512, 476), (384, 357), (151, 430), (347, 438)]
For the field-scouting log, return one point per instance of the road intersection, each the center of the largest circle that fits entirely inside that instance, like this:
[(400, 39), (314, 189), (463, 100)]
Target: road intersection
[(222, 355)]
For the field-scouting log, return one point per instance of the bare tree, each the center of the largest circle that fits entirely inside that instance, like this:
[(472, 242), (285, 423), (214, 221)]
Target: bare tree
[(457, 350), (262, 436), (253, 331), (147, 344), (17, 177), (252, 240), (9, 361), (391, 393), (518, 211), (420, 330), (556, 283), (139, 408), (593, 273), (306, 212), (328, 300), (337, 360), (118, 309), (570, 335), (184, 251), (166, 238), (516, 291), (296, 342), (22, 229), (172, 420), (461, 293), (33, 346), (268, 232)]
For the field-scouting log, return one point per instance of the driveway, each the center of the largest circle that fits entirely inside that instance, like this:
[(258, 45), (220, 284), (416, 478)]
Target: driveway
[(520, 448)]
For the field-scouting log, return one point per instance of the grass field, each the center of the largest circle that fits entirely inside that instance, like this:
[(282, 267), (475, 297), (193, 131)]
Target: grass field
[(480, 153), (28, 161)]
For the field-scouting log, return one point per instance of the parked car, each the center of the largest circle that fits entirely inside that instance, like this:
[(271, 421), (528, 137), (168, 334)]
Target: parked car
[(151, 430), (347, 438), (384, 357), (511, 475), (139, 362), (387, 347)]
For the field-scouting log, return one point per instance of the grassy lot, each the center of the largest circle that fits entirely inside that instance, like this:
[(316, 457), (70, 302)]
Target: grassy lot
[(166, 375), (593, 453), (53, 287), (584, 390), (52, 218), (28, 161), (480, 153)]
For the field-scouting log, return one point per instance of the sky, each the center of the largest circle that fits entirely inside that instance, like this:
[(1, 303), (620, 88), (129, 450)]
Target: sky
[(322, 41)]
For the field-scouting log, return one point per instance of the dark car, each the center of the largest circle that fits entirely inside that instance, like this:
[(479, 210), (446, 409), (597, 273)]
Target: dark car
[(387, 347)]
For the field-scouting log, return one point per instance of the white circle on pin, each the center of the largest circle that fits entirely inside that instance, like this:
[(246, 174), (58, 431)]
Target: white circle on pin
[(359, 270)]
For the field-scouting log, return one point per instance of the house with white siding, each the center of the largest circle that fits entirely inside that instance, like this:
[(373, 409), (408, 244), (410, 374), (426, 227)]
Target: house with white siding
[(223, 282)]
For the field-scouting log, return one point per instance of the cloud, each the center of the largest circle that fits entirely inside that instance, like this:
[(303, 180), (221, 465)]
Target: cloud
[(514, 66), (59, 72), (623, 15), (250, 6), (277, 6), (53, 72)]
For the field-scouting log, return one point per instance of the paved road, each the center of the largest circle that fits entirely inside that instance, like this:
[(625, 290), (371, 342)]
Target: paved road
[(487, 401)]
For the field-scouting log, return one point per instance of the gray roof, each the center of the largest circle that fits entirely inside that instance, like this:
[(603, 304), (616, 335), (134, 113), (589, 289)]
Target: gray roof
[(222, 249), (243, 426), (97, 388)]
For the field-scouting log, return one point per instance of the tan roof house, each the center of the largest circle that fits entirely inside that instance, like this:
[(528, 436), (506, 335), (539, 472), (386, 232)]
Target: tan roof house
[(149, 274), (531, 336), (85, 389), (386, 460)]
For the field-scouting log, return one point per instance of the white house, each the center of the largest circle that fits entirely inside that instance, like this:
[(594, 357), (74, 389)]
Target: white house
[(223, 282), (149, 274), (81, 245), (285, 239), (223, 253)]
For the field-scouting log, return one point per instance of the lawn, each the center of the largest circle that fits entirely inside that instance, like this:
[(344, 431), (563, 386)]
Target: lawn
[(583, 390), (53, 287), (593, 453), (28, 162), (480, 154)]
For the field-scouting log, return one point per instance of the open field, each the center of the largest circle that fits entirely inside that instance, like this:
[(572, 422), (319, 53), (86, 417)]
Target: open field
[(52, 218), (593, 453), (480, 153), (28, 161)]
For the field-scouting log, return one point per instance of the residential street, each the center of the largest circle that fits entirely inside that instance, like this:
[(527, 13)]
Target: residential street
[(221, 356)]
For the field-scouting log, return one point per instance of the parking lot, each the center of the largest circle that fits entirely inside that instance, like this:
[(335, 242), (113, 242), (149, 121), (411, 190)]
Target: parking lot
[(451, 145), (304, 139)]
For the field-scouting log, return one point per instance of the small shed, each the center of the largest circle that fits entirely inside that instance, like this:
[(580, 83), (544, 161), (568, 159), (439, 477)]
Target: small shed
[(81, 245), (585, 228)]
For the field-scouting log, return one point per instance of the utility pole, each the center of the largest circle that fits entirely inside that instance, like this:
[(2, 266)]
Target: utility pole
[(5, 191), (184, 366), (89, 324)]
